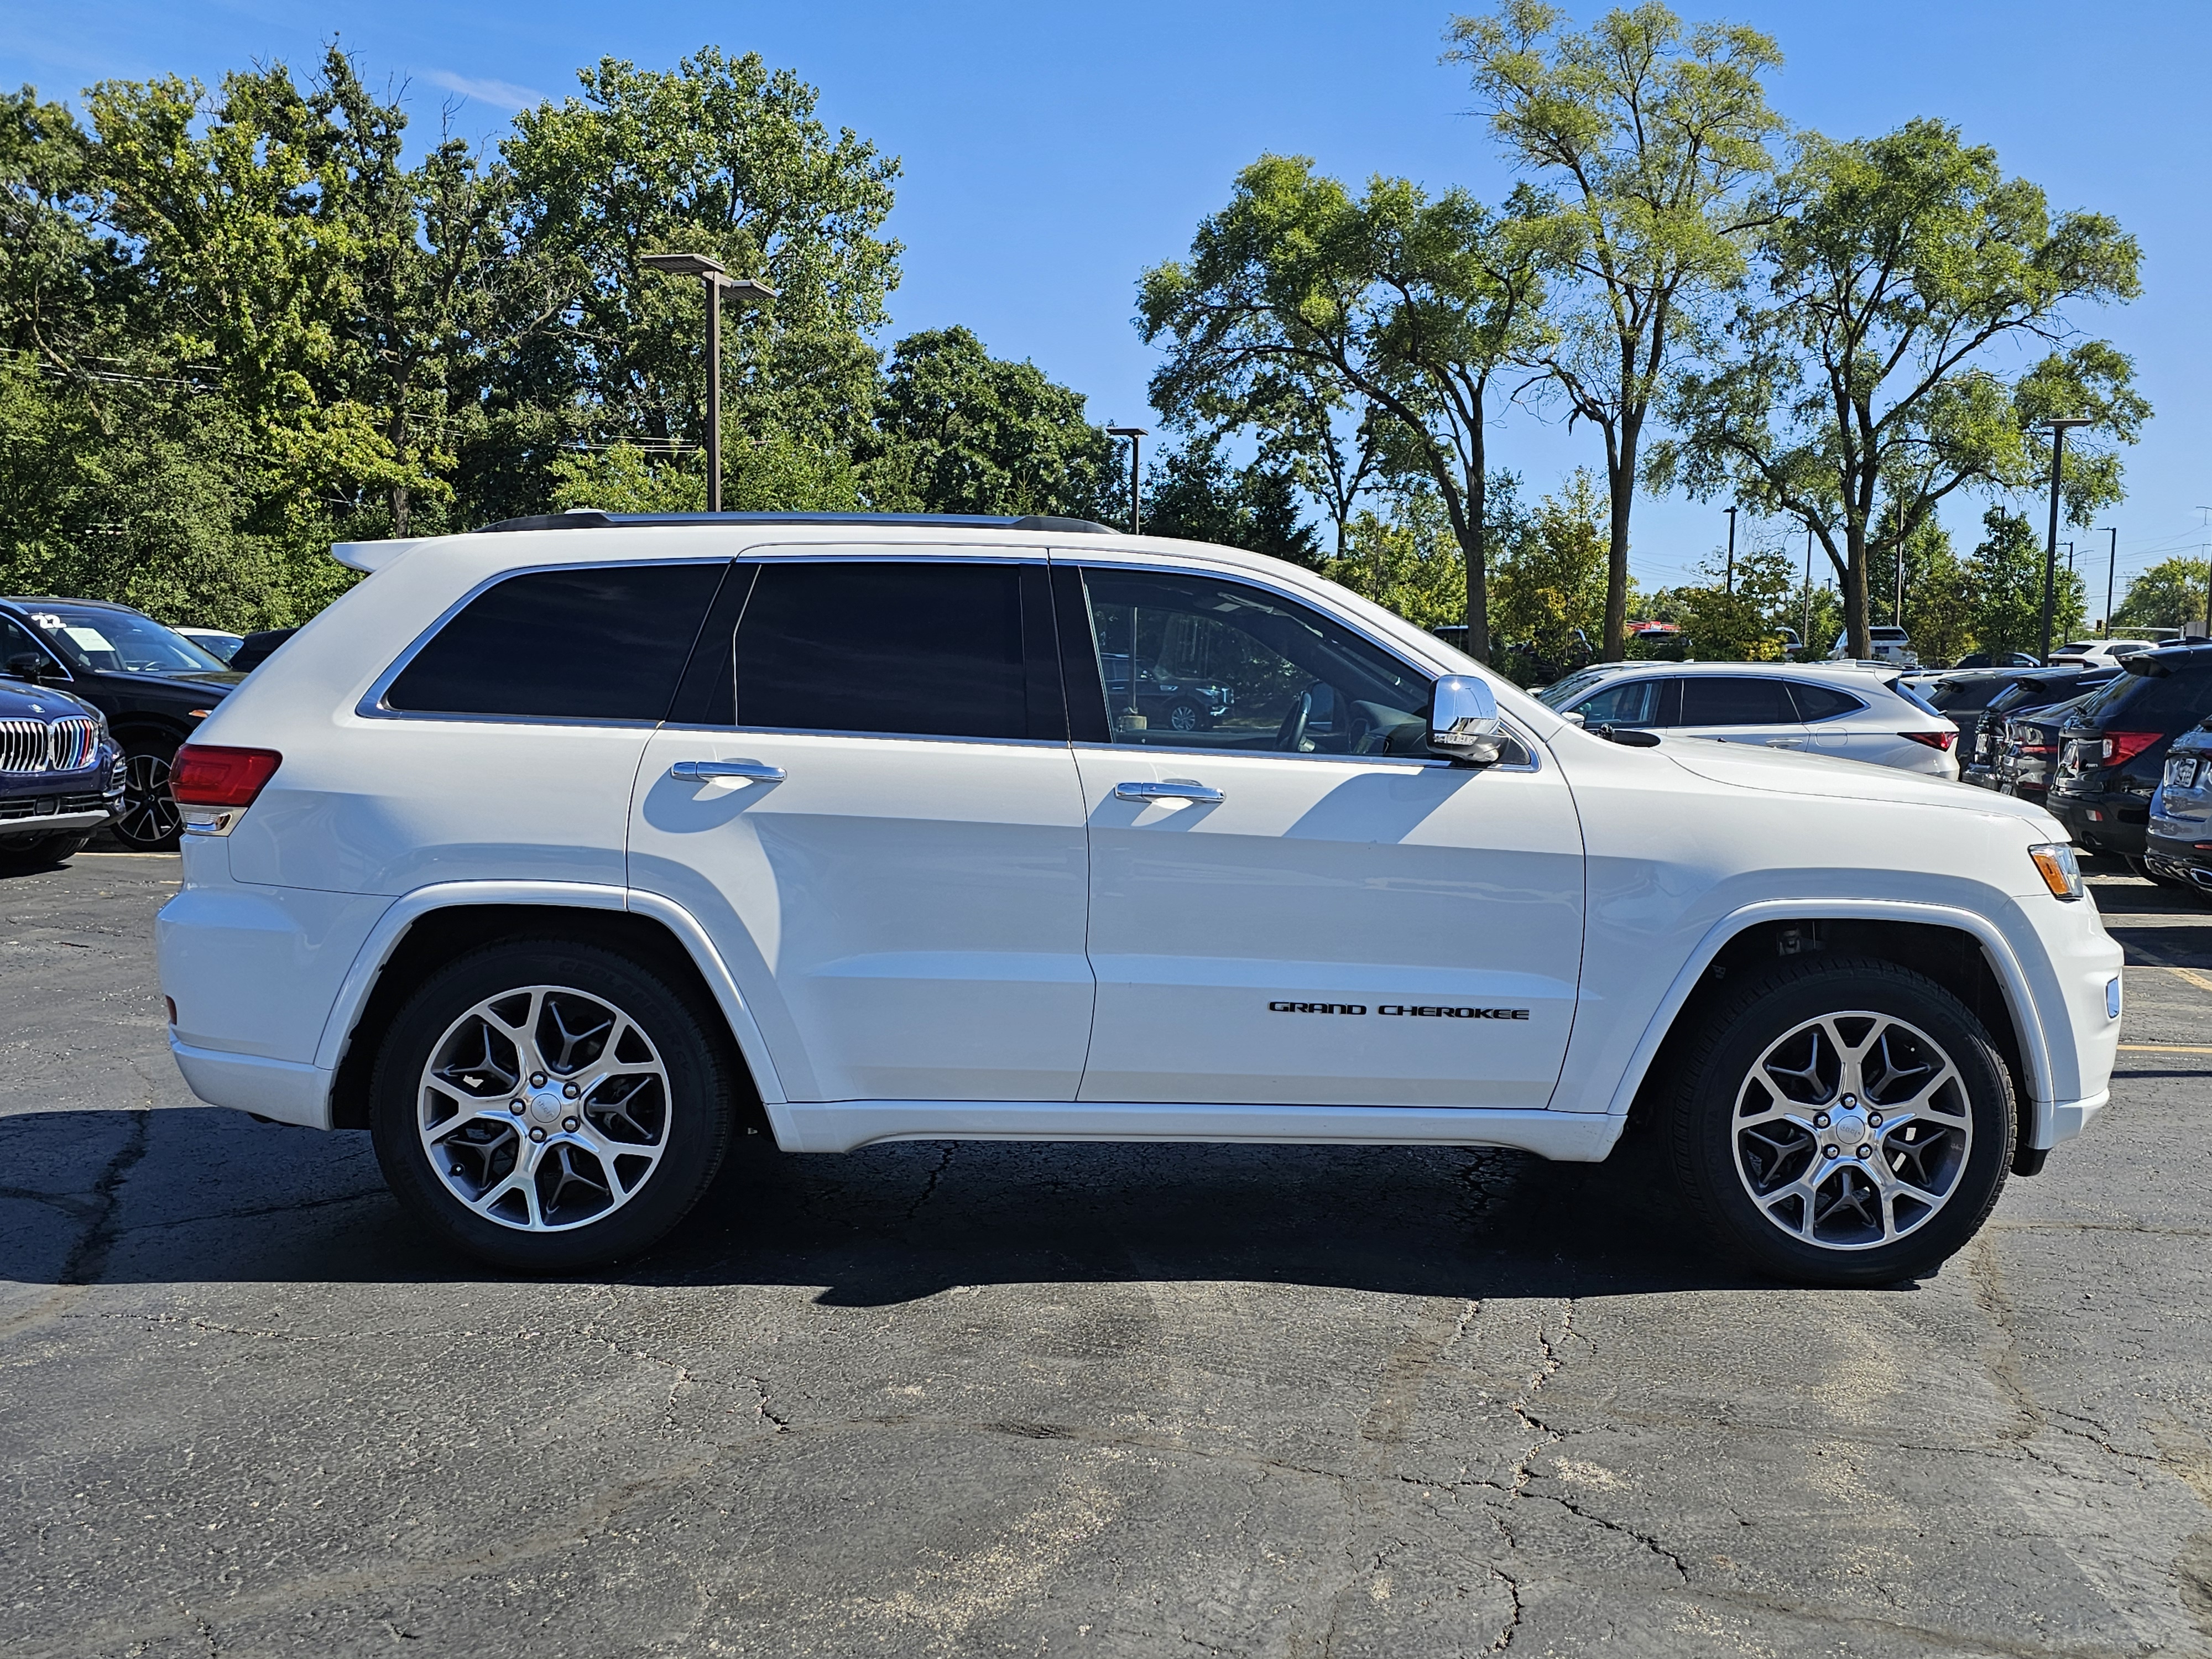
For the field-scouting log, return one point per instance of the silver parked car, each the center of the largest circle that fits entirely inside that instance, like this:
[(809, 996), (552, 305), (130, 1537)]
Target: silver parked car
[(1852, 712)]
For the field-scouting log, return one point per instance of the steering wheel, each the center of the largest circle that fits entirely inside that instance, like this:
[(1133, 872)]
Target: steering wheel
[(1291, 735)]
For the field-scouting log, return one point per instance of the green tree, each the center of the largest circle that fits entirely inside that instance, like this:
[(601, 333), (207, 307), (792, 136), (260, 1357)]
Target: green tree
[(720, 156), (958, 430), (1550, 585), (1649, 144), (1299, 294), (1940, 603), (2170, 594), (1901, 280), (2006, 577), (1193, 492), (1740, 618)]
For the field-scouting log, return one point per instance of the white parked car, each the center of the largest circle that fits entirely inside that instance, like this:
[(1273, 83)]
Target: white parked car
[(572, 848), (1888, 645), (2099, 651), (1850, 712), (218, 642)]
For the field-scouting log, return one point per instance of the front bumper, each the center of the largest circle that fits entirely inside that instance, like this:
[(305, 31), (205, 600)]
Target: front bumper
[(25, 817)]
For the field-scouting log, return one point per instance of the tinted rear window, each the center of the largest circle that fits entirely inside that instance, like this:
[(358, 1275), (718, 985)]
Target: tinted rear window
[(1735, 700), (1822, 702), (919, 649), (597, 643)]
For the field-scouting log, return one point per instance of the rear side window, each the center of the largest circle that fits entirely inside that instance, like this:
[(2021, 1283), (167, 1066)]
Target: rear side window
[(1735, 700), (600, 642), (922, 649), (1825, 702), (2171, 703)]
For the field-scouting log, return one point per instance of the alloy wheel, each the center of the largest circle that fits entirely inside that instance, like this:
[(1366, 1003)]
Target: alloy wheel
[(149, 816), (1852, 1130), (543, 1109)]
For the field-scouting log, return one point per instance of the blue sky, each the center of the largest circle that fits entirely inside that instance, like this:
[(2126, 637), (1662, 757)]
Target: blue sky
[(1052, 152)]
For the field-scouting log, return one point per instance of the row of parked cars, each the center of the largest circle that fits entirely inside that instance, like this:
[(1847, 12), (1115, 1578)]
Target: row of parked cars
[(96, 699), (2114, 746)]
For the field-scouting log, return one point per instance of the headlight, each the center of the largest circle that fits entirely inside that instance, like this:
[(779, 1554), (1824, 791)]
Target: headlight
[(2062, 872)]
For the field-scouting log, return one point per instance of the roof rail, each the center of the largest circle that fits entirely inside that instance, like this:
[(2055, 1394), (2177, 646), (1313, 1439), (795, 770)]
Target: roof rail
[(587, 518)]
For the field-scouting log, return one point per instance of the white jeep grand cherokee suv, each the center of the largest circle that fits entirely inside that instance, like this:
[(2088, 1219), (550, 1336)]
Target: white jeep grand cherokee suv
[(554, 855)]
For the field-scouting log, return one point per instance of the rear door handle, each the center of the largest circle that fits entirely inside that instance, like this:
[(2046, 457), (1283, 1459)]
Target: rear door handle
[(759, 771), (1175, 789)]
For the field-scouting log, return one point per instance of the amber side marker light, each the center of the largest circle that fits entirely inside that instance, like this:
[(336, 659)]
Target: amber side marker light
[(2062, 872), (204, 774)]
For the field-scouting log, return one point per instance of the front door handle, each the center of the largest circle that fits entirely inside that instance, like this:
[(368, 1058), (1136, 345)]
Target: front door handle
[(1174, 789), (758, 771)]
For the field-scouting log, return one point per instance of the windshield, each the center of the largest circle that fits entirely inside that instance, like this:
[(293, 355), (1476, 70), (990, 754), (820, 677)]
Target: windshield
[(119, 642), (1563, 692)]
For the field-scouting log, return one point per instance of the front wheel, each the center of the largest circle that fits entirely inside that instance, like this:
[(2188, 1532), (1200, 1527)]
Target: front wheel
[(1847, 1122), (546, 1104), (1186, 717), (40, 852)]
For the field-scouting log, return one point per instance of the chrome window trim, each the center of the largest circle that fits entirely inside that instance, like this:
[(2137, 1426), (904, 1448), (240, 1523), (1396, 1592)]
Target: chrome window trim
[(1410, 763), (373, 707), (876, 736)]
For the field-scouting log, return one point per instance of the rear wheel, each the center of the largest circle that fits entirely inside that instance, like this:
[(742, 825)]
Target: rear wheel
[(546, 1104), (149, 821), (1185, 717), (1844, 1123)]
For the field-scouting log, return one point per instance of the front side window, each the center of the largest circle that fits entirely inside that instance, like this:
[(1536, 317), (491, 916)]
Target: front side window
[(1735, 700), (1191, 661), (597, 642), (927, 649), (119, 642), (1629, 702)]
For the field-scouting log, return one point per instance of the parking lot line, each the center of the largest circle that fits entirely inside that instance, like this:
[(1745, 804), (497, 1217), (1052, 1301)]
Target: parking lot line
[(2162, 1048)]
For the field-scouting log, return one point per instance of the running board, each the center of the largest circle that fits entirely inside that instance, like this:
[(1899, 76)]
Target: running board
[(841, 1125)]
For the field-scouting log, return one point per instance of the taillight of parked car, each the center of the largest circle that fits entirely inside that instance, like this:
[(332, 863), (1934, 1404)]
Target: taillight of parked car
[(204, 774), (2120, 747), (1942, 739)]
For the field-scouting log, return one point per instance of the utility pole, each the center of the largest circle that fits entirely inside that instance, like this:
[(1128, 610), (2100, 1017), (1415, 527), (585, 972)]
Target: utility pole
[(1806, 634), (2112, 568), (1731, 552), (1135, 435), (2059, 428)]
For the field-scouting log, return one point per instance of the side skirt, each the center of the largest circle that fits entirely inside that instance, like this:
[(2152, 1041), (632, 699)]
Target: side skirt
[(840, 1126)]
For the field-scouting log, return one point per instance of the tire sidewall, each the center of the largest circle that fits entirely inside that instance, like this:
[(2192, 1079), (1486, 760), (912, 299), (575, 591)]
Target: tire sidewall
[(698, 1088), (1741, 1032)]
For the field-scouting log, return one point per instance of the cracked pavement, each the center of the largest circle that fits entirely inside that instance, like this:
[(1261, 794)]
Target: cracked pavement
[(1049, 1399)]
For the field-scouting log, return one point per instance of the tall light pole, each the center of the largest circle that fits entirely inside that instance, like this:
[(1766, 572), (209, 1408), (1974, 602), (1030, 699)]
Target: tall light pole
[(2059, 428), (1807, 637), (747, 289), (1731, 553), (2112, 568), (1135, 435)]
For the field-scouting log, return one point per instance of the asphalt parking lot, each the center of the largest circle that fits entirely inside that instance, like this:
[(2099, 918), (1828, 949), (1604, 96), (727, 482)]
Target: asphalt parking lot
[(1044, 1399)]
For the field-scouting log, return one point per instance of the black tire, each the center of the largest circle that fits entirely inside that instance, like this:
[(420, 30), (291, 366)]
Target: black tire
[(1719, 1160), (149, 821), (40, 852), (683, 1120)]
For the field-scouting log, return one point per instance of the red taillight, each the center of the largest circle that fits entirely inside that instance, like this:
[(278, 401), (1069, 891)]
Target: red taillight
[(204, 775), (1934, 740), (2120, 747)]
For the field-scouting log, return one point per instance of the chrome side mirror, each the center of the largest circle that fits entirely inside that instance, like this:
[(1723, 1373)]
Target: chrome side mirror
[(1464, 721)]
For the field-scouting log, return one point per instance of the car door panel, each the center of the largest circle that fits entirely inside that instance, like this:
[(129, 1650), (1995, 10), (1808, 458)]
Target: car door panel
[(1334, 929), (904, 911), (1739, 709)]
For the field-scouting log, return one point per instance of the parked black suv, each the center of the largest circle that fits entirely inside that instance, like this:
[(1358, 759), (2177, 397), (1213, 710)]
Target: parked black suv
[(2113, 751), (2022, 691), (153, 684)]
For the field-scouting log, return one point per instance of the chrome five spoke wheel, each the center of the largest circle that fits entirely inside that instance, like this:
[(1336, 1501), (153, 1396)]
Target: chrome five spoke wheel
[(543, 1109), (1852, 1130), (149, 816)]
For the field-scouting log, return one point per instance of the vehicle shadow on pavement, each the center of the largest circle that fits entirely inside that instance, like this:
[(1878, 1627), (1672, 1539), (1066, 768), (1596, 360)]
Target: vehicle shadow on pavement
[(191, 1194)]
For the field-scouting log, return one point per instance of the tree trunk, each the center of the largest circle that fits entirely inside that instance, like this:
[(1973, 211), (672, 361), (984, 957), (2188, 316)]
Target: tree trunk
[(1854, 593), (1476, 544), (1620, 496), (399, 505)]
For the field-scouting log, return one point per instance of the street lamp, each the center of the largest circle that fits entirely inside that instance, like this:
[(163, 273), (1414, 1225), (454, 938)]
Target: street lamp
[(747, 290), (2059, 428), (1731, 553), (1134, 434), (2112, 566)]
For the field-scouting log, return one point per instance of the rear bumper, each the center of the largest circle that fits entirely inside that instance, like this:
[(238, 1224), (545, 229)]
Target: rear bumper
[(283, 1090), (2116, 822)]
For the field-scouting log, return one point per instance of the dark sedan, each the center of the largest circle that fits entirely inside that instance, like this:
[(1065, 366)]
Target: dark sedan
[(61, 776), (153, 684)]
